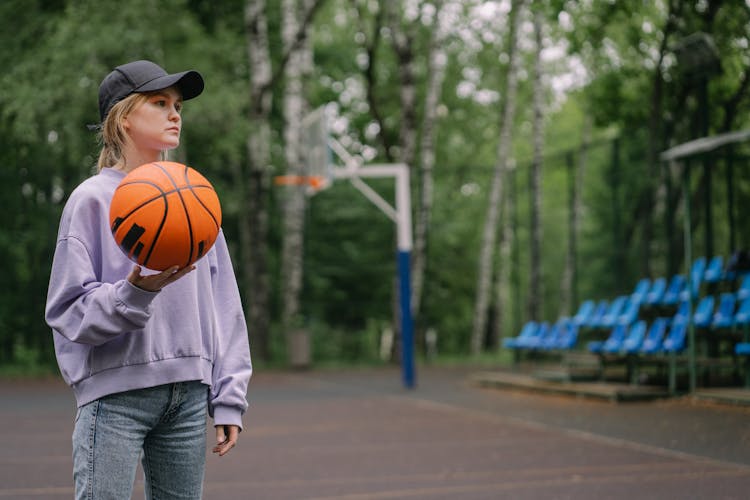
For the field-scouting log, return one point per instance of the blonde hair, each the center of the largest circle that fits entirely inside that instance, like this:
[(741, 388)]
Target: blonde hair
[(112, 135)]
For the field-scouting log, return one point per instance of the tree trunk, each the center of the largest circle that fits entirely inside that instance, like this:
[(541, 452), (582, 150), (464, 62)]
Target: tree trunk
[(535, 186), (254, 228), (403, 46), (496, 330), (294, 199), (402, 38), (484, 275), (435, 78), (569, 288)]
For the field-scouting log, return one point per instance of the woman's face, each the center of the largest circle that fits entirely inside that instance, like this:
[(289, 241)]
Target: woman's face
[(155, 124)]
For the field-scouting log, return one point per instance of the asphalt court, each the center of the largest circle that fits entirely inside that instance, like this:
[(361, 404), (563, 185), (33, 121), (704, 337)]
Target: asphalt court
[(358, 434)]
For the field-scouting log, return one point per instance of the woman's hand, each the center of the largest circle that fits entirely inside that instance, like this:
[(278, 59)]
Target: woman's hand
[(226, 438), (155, 282)]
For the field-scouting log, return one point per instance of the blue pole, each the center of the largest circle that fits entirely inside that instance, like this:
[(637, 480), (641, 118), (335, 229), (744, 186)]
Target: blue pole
[(407, 330)]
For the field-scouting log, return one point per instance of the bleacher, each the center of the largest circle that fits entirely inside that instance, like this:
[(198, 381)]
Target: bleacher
[(649, 327)]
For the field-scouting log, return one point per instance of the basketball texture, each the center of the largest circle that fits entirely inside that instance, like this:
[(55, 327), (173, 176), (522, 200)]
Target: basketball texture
[(165, 214)]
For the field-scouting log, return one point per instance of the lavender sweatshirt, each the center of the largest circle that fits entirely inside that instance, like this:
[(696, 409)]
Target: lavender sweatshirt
[(111, 336)]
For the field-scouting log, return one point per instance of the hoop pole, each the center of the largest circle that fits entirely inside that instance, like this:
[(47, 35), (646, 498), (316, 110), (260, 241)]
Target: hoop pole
[(404, 243), (402, 217)]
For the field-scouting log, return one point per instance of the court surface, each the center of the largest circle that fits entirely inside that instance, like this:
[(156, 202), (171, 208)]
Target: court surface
[(357, 434)]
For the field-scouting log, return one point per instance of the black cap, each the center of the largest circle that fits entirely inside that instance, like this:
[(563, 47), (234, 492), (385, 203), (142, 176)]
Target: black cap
[(144, 76)]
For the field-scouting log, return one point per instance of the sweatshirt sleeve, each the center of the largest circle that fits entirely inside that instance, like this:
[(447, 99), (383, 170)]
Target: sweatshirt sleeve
[(85, 310), (232, 365)]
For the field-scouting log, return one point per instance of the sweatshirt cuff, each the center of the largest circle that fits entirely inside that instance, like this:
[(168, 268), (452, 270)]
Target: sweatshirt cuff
[(134, 297), (227, 415)]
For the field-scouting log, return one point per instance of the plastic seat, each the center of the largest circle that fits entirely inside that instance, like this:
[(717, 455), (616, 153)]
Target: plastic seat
[(568, 337), (641, 290), (632, 343), (743, 292), (696, 277), (527, 331), (533, 341), (675, 341), (654, 295), (704, 313), (584, 312), (742, 316), (724, 315), (548, 336), (552, 339), (673, 292), (630, 313), (683, 310), (715, 270), (653, 340), (596, 317), (615, 338), (613, 313)]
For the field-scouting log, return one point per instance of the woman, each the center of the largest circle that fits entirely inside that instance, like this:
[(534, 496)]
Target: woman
[(148, 355)]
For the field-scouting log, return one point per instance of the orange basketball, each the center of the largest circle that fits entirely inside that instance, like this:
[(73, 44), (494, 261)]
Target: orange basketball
[(165, 214)]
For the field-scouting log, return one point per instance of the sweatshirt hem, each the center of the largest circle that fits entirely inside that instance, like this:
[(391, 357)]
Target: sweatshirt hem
[(141, 376)]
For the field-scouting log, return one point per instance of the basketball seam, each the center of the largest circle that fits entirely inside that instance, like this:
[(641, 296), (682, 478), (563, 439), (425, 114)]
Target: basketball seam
[(208, 210), (184, 206), (163, 196), (166, 193)]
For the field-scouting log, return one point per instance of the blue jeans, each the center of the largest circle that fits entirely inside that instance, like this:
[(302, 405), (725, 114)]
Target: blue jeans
[(166, 423)]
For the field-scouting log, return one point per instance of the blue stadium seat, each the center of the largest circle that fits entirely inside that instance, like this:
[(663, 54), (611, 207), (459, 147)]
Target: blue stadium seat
[(568, 337), (630, 313), (528, 331), (672, 294), (724, 315), (584, 312), (743, 292), (675, 341), (632, 343), (683, 310), (616, 337), (742, 316), (548, 337), (613, 313), (696, 277), (596, 317), (533, 341), (652, 343), (552, 339), (641, 290), (704, 312), (656, 292), (715, 270)]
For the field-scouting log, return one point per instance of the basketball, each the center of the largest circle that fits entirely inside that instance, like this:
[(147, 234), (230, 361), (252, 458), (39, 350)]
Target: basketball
[(165, 214)]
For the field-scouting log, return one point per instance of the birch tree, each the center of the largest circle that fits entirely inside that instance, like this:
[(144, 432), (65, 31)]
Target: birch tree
[(254, 228), (489, 233), (294, 201), (535, 184), (437, 60), (569, 286)]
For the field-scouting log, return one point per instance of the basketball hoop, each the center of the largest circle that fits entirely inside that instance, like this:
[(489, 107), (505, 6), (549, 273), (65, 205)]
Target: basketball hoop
[(314, 183), (314, 152)]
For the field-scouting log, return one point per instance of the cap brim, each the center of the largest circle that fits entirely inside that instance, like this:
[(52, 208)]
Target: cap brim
[(189, 82)]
